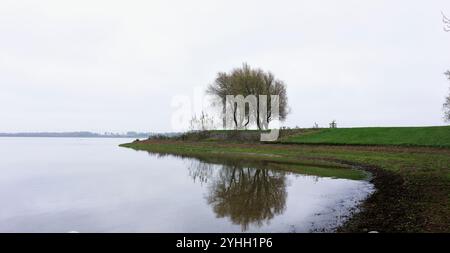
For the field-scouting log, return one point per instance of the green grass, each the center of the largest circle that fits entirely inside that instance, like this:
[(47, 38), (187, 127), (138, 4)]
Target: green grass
[(396, 136)]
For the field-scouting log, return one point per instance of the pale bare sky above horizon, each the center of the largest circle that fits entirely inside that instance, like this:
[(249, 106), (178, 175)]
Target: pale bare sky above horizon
[(116, 65)]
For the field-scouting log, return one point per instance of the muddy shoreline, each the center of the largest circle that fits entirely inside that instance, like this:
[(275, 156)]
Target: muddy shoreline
[(390, 208)]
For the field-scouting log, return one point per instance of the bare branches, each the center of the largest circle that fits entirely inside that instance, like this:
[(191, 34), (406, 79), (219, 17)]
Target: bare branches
[(446, 105), (446, 108), (446, 22)]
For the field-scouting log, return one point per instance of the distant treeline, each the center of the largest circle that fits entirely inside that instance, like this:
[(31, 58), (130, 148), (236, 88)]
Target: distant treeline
[(84, 134)]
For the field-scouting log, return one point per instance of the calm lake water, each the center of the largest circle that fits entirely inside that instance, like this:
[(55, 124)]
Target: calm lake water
[(92, 185)]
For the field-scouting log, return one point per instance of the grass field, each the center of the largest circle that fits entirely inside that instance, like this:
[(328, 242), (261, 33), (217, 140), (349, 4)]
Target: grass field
[(398, 136)]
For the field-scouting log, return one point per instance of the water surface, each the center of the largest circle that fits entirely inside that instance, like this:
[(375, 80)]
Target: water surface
[(92, 185)]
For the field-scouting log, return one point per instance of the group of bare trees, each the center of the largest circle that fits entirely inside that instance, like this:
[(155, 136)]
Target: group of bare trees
[(202, 123), (247, 81)]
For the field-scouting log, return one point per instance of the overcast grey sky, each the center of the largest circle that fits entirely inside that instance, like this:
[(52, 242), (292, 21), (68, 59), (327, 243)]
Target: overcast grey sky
[(116, 65)]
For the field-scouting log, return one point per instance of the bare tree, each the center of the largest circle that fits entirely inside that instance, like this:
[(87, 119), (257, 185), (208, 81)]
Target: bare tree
[(447, 102)]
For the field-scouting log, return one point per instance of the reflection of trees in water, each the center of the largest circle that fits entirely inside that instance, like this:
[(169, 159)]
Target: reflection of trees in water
[(200, 171), (158, 155), (246, 195)]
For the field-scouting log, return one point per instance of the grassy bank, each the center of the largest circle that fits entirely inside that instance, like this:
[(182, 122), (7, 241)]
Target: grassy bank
[(397, 136), (413, 182)]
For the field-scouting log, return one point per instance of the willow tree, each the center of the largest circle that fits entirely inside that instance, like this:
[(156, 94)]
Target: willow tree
[(247, 81)]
